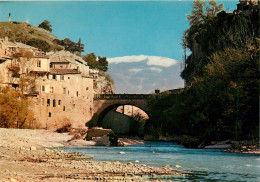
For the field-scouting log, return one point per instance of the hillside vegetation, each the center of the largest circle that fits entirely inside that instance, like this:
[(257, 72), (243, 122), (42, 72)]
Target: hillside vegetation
[(221, 99), (29, 34)]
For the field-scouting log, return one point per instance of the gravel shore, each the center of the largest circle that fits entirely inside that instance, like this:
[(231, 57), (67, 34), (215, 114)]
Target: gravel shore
[(24, 156)]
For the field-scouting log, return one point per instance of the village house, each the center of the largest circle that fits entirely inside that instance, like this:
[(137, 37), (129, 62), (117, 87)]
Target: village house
[(58, 85)]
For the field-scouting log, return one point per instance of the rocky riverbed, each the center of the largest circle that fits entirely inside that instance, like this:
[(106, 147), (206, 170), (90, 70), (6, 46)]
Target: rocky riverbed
[(24, 156)]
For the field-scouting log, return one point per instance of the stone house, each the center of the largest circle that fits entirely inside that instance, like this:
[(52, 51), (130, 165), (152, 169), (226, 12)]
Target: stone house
[(58, 85)]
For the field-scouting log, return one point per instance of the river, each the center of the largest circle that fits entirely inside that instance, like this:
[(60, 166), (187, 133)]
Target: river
[(205, 165)]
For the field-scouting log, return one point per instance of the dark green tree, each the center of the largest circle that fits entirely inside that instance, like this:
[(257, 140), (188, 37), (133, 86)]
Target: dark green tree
[(103, 63), (69, 45), (100, 64), (45, 25), (41, 44), (91, 59)]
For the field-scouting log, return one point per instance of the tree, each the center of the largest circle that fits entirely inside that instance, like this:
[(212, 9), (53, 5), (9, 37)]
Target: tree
[(14, 110), (91, 59), (103, 63), (100, 64), (45, 25), (214, 9), (198, 15), (41, 44), (69, 45)]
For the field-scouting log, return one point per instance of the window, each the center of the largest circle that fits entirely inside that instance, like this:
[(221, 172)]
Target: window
[(59, 102), (64, 108), (77, 93), (54, 77), (43, 88), (68, 92), (64, 90), (38, 63), (48, 102), (43, 101), (61, 77), (49, 114), (68, 77), (54, 103), (51, 89), (86, 88)]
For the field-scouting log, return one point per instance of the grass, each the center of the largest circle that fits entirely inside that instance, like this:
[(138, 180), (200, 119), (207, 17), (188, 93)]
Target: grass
[(24, 32)]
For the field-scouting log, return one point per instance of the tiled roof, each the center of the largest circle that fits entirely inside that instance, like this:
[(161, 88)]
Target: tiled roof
[(59, 61), (63, 71)]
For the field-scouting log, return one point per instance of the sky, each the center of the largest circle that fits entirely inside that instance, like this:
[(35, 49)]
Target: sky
[(141, 39)]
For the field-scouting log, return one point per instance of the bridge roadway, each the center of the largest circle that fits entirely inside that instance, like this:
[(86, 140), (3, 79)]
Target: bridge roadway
[(120, 96)]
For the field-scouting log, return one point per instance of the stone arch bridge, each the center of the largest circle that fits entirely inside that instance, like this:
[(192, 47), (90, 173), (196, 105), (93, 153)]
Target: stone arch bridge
[(103, 103)]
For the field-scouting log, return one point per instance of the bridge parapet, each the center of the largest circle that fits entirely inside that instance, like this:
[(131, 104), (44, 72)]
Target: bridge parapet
[(120, 96)]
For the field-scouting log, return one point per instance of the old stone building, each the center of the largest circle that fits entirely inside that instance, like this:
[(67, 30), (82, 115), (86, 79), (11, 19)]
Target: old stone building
[(58, 85)]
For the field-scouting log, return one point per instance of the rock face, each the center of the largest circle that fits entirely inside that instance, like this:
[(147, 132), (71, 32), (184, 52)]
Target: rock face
[(102, 83)]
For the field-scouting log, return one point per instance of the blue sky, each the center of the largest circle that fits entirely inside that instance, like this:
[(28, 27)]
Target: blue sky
[(113, 28)]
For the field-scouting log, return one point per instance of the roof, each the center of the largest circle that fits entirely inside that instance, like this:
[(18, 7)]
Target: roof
[(63, 71), (4, 57), (59, 61), (40, 54)]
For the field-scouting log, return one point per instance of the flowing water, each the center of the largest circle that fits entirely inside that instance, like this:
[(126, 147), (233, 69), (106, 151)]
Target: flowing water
[(205, 165)]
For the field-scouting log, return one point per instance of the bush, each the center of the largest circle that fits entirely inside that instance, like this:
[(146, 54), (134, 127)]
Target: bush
[(40, 44), (64, 129), (45, 25)]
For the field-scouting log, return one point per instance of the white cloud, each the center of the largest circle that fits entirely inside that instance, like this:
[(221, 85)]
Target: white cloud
[(150, 60), (135, 70), (161, 61), (158, 70), (144, 74)]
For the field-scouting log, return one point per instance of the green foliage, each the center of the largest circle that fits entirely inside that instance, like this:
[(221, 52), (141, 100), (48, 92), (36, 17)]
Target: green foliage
[(41, 44), (103, 63), (70, 45), (221, 100), (45, 25), (198, 15), (100, 64), (218, 33), (31, 32)]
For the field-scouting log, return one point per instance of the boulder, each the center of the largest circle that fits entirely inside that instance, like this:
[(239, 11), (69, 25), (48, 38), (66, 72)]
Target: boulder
[(102, 141), (98, 132)]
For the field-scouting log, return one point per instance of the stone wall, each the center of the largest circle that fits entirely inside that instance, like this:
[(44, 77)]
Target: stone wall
[(61, 101)]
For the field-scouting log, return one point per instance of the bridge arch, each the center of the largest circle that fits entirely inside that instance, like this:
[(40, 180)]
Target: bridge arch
[(103, 103)]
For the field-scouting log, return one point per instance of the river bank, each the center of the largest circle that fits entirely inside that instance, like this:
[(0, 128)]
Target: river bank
[(244, 146), (25, 156)]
